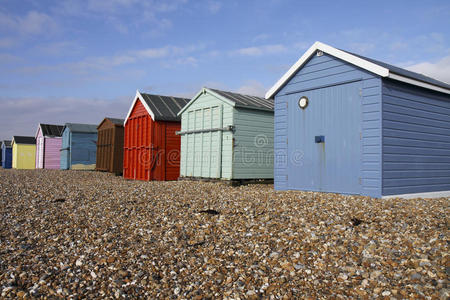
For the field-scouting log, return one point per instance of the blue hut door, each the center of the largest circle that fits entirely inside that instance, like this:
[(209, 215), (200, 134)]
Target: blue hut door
[(324, 139)]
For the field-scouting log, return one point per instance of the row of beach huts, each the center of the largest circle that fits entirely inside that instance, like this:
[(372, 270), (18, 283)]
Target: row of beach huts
[(335, 122)]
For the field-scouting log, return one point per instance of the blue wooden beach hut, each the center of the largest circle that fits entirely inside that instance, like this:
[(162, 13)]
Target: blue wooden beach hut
[(6, 154), (79, 146), (349, 124)]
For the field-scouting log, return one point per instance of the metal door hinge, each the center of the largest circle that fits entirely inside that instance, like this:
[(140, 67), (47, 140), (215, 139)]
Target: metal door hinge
[(360, 92), (287, 141), (360, 135), (359, 179)]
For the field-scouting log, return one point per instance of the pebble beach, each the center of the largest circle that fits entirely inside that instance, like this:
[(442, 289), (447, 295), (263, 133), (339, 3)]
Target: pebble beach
[(77, 234)]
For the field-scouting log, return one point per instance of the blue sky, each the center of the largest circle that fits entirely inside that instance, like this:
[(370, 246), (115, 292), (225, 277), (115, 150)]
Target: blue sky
[(79, 61)]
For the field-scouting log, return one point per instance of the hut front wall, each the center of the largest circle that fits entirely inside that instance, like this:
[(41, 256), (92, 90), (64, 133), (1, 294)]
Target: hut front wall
[(105, 147), (83, 151), (208, 154), (151, 149), (253, 144), (6, 157), (416, 139), (24, 156), (345, 108), (110, 148)]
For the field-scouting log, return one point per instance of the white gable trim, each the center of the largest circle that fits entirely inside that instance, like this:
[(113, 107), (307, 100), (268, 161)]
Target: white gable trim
[(139, 96), (352, 59), (37, 131)]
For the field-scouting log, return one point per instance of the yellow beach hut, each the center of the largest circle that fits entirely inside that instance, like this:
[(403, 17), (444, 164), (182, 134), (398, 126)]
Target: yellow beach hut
[(24, 152)]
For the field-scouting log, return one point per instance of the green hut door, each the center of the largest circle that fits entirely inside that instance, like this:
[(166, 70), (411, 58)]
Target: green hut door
[(204, 143)]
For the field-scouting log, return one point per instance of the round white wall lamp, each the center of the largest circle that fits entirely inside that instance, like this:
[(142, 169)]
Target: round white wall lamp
[(303, 102)]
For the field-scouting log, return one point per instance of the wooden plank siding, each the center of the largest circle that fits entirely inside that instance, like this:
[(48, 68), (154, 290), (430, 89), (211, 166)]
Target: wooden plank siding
[(151, 149), (209, 154), (110, 147), (416, 139), (24, 156), (322, 72), (253, 144)]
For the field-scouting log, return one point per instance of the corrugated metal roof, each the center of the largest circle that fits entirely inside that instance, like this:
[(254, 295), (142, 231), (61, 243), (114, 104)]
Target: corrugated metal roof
[(30, 140), (404, 72), (246, 101), (83, 128), (52, 130), (7, 143), (116, 121), (165, 108)]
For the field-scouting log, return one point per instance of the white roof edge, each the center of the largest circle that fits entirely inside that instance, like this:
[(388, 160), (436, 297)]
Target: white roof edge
[(139, 96), (418, 83), (362, 63)]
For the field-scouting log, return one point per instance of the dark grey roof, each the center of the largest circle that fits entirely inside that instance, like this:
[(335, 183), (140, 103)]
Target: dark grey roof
[(30, 140), (165, 108), (7, 143), (404, 72), (52, 130), (83, 128), (116, 121), (246, 101)]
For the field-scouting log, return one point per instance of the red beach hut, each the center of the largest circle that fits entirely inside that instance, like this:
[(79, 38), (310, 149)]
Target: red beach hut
[(151, 147)]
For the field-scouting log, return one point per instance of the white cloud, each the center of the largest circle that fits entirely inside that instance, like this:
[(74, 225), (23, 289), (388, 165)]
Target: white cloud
[(260, 37), (32, 23), (253, 87), (261, 50), (214, 6), (60, 48), (439, 70)]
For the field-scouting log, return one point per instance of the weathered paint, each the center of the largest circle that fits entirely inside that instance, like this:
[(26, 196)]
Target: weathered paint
[(151, 149), (24, 156), (345, 107), (227, 154), (47, 151), (78, 150), (6, 157), (416, 139)]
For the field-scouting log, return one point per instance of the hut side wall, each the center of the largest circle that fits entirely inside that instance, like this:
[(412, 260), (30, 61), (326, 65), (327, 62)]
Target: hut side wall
[(52, 155), (118, 150), (319, 73), (416, 139), (209, 154), (253, 144)]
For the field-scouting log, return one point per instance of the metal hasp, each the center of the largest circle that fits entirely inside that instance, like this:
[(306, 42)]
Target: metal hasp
[(319, 139)]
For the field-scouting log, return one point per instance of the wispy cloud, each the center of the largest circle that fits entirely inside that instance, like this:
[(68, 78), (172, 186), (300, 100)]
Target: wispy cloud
[(261, 50), (32, 23), (252, 87), (56, 111), (439, 70), (214, 6)]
